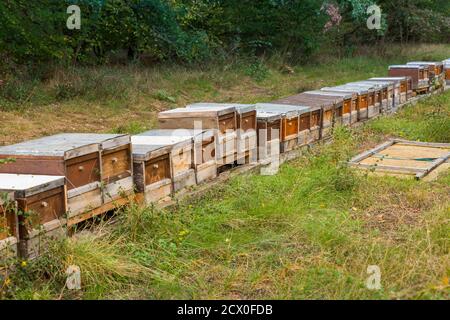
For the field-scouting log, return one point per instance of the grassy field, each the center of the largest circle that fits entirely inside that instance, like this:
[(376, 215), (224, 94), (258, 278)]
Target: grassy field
[(309, 232)]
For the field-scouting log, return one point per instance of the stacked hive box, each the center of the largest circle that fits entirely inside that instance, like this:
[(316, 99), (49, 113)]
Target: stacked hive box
[(116, 167), (290, 116), (385, 94), (41, 207), (375, 96), (322, 113), (304, 123), (192, 153), (181, 155), (402, 88), (350, 100), (388, 94), (97, 169), (343, 103), (9, 232), (152, 172), (435, 71), (418, 74), (246, 129), (363, 98), (220, 119)]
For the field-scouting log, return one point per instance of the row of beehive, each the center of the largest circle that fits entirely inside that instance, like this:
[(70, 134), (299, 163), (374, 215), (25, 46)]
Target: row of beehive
[(56, 182)]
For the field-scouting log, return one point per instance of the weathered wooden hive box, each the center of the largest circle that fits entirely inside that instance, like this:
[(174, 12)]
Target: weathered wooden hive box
[(116, 171), (97, 167), (363, 99), (192, 154), (402, 88), (152, 172), (384, 94), (246, 129), (9, 231), (220, 119), (41, 209), (304, 122), (350, 110), (375, 99), (268, 134), (342, 104), (202, 156), (435, 71), (321, 114), (418, 74), (289, 123), (390, 89), (447, 71)]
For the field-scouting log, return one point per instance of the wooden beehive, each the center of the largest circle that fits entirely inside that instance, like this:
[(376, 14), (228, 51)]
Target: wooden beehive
[(42, 205), (384, 94), (350, 111), (362, 101), (418, 74), (435, 70), (342, 104), (220, 119), (304, 122), (268, 134), (391, 88), (290, 117), (322, 113), (116, 169), (9, 232), (402, 88), (375, 99), (152, 171), (192, 154), (246, 129), (97, 167)]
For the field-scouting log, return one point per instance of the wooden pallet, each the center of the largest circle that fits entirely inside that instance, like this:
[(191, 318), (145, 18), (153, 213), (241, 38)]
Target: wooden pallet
[(402, 157)]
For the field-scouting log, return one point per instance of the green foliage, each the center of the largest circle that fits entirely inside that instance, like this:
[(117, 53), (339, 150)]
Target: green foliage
[(196, 31)]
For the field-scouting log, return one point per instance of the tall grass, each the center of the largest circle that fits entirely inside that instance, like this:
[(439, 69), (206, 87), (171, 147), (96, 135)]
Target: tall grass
[(308, 232)]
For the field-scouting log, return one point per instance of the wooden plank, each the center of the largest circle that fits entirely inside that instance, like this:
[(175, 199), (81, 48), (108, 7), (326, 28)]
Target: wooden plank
[(100, 210), (388, 168), (435, 164), (371, 152), (420, 143)]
